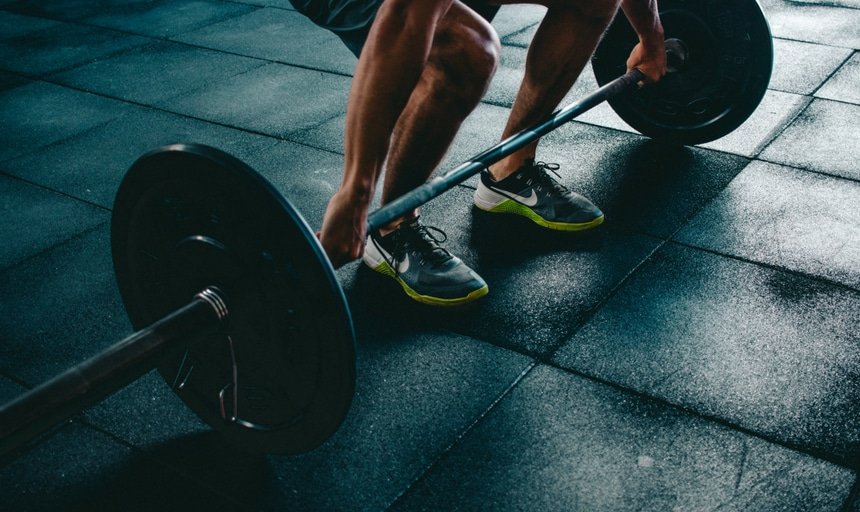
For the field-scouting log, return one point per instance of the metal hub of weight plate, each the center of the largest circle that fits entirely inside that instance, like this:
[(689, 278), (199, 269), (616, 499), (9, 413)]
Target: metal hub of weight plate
[(723, 79), (281, 375)]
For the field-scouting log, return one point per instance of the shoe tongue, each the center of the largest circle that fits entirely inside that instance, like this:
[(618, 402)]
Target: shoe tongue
[(423, 239)]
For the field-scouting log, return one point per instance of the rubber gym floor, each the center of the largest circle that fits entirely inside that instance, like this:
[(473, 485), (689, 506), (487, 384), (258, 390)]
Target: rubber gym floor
[(699, 351)]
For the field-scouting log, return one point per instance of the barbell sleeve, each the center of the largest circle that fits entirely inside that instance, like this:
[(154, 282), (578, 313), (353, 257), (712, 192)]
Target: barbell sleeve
[(440, 184), (81, 386)]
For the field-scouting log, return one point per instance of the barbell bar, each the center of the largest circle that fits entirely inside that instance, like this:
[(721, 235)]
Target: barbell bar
[(234, 300)]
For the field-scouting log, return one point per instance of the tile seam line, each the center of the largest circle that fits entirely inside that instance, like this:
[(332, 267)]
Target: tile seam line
[(844, 462), (81, 419), (23, 450), (853, 496), (771, 266), (777, 132), (588, 315), (173, 39), (76, 237), (441, 455), (53, 190), (284, 138), (809, 170), (821, 4), (833, 73), (807, 41)]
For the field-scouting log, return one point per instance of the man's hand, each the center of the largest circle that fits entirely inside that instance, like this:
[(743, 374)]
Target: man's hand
[(344, 228), (649, 56), (650, 59)]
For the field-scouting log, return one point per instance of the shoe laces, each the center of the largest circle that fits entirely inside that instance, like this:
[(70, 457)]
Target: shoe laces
[(423, 240), (539, 174)]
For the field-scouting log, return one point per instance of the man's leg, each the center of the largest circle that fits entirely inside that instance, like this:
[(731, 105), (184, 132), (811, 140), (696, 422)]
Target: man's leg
[(561, 48), (559, 51), (461, 63)]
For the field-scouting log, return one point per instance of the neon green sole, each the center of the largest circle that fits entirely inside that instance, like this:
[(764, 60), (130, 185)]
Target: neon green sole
[(511, 206), (385, 269)]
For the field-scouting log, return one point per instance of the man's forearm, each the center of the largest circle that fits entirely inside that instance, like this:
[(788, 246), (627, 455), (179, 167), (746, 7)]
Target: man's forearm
[(645, 20)]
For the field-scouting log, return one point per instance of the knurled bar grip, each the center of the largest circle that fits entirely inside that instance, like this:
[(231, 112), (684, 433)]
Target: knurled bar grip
[(91, 381), (438, 185)]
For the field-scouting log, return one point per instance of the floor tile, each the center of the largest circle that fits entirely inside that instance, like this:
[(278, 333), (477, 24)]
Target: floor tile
[(38, 114), (775, 112), (545, 287), (513, 18), (307, 177), (772, 352), (541, 283), (802, 21), (788, 218), (843, 85), (149, 415), (522, 37), (854, 4), (277, 35), (275, 100), (823, 138), (9, 390), (80, 469), (60, 308), (281, 4), (15, 25), (415, 395), (73, 167), (165, 18), (60, 9), (62, 47), (572, 444), (156, 72), (11, 80), (801, 68), (35, 219), (638, 183)]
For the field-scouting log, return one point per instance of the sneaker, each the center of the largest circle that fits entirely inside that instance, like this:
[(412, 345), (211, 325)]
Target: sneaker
[(411, 255), (534, 194)]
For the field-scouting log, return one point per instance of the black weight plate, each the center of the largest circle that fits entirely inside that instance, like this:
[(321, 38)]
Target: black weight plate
[(730, 57), (187, 217)]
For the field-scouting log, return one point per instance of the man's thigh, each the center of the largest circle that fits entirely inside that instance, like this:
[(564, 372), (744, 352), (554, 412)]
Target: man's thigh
[(351, 19)]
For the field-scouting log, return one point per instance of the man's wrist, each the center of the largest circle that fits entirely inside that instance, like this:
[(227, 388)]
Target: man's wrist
[(653, 38)]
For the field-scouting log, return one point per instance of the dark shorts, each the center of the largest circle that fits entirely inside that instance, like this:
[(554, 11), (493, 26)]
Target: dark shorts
[(351, 19)]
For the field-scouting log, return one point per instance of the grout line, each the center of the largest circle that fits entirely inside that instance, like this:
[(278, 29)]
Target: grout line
[(842, 461), (462, 435), (52, 190), (76, 237), (832, 74), (771, 266), (82, 420), (853, 496), (775, 134), (818, 172)]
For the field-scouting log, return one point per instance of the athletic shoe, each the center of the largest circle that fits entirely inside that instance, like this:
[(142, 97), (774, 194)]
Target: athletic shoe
[(412, 256), (534, 194)]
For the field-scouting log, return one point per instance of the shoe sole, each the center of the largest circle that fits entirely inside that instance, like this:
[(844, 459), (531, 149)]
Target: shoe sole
[(510, 206), (385, 269)]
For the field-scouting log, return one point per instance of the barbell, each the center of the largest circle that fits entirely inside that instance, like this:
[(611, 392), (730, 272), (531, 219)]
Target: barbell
[(233, 298)]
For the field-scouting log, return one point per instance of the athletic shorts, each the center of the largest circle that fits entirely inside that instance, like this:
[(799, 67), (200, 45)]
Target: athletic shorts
[(351, 19)]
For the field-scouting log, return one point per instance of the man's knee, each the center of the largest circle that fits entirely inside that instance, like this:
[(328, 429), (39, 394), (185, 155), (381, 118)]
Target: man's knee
[(466, 57)]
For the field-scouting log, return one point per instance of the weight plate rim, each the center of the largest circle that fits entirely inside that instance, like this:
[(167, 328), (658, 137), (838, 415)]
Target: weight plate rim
[(697, 134), (123, 211)]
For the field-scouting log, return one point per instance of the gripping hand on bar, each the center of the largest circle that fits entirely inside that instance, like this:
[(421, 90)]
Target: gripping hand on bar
[(423, 68)]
